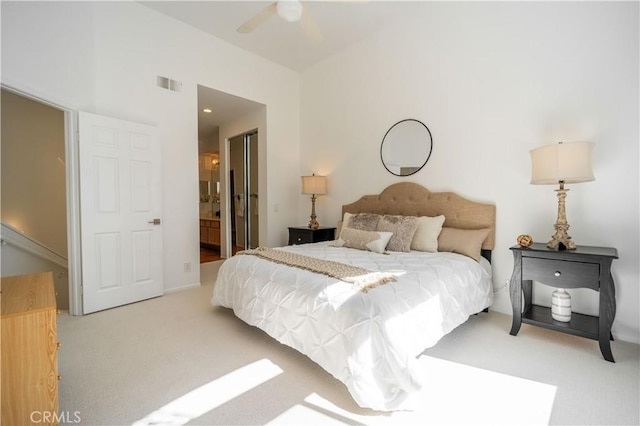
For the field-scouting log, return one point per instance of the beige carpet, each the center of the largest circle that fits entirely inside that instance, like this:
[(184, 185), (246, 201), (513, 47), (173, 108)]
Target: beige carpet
[(178, 360)]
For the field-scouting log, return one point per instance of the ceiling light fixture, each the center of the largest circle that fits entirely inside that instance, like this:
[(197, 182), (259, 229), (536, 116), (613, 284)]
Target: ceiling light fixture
[(207, 110), (289, 10)]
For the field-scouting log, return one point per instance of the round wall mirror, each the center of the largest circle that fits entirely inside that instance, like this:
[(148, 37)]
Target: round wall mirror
[(406, 147)]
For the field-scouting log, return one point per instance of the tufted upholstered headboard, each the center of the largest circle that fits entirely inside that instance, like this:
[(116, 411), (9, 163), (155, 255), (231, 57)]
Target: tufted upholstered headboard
[(412, 199)]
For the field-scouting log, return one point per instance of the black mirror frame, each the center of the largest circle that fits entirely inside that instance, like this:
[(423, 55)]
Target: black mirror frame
[(430, 141)]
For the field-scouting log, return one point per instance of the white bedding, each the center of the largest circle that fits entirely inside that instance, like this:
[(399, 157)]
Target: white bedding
[(369, 341)]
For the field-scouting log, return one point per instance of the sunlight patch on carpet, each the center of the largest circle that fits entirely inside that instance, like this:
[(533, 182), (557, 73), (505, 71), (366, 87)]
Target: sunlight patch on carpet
[(455, 394), (213, 394)]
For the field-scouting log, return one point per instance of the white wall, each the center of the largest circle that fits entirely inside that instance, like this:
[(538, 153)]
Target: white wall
[(493, 80), (104, 58), (16, 261)]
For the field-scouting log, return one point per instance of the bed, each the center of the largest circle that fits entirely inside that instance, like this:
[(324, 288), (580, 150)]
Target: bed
[(370, 338)]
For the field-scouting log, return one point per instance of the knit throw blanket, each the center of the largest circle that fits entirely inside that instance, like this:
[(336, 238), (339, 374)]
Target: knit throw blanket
[(361, 278)]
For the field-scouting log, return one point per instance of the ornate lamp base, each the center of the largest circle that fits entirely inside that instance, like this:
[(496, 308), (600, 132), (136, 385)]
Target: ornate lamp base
[(313, 223), (561, 238), (561, 242)]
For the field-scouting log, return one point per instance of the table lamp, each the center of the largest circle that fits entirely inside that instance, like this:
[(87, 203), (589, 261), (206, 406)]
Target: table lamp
[(561, 163), (314, 185)]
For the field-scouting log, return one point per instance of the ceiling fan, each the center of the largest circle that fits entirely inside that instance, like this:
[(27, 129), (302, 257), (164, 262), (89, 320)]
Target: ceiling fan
[(290, 11)]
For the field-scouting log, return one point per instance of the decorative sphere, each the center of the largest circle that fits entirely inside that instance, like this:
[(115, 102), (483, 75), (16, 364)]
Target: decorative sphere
[(525, 240)]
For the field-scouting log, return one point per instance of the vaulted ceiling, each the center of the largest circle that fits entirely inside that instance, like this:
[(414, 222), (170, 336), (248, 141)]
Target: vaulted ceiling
[(339, 22), (325, 28)]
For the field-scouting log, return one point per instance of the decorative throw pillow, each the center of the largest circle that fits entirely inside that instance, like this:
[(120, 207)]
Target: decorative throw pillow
[(403, 228), (462, 241), (426, 236), (363, 240), (362, 221), (343, 223)]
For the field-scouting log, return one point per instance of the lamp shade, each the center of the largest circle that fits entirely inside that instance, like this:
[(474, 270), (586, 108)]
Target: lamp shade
[(567, 162), (314, 185)]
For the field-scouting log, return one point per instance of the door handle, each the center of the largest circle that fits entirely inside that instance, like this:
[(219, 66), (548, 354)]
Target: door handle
[(155, 221)]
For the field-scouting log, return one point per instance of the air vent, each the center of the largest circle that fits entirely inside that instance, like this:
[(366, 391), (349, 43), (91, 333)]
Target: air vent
[(169, 84), (175, 85)]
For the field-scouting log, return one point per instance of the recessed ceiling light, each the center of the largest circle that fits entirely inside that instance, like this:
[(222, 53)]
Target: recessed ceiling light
[(207, 110)]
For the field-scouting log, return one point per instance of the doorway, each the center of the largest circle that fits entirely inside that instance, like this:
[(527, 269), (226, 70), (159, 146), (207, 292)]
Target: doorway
[(210, 237), (51, 182), (243, 190), (222, 117), (34, 190)]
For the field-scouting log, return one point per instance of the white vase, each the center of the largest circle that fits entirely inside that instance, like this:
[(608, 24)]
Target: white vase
[(561, 305)]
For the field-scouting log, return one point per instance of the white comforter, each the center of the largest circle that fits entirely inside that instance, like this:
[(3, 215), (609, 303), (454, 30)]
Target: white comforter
[(369, 341)]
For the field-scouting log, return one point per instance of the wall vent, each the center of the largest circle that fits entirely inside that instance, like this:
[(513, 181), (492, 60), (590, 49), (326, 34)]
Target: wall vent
[(169, 84)]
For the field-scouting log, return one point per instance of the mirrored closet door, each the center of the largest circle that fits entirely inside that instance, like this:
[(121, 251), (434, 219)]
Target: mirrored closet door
[(243, 184)]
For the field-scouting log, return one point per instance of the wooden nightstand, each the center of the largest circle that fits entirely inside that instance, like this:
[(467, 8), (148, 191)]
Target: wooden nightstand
[(584, 267), (304, 234)]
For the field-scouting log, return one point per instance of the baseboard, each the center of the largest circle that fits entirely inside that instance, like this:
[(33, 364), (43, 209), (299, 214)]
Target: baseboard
[(182, 288)]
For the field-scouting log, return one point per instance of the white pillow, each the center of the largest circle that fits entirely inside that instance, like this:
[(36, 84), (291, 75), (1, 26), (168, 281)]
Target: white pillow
[(343, 223), (375, 241), (345, 219), (426, 236)]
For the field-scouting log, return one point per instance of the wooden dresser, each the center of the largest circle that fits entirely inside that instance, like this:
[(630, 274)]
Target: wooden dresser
[(29, 350)]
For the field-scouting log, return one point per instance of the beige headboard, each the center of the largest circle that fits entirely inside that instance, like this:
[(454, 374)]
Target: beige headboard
[(411, 199)]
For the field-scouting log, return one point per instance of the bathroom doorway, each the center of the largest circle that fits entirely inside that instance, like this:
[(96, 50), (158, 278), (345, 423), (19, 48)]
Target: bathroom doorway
[(210, 235), (222, 117)]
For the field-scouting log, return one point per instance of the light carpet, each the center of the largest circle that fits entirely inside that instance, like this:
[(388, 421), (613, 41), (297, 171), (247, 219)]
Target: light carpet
[(455, 394), (178, 360)]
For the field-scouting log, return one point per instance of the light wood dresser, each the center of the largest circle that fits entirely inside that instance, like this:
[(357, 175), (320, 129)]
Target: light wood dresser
[(29, 350)]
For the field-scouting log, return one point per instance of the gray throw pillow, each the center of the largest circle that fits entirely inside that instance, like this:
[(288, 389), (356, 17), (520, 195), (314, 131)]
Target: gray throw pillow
[(403, 228), (363, 221)]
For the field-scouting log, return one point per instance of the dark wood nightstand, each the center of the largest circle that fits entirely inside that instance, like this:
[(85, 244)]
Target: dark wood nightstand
[(304, 234), (584, 267)]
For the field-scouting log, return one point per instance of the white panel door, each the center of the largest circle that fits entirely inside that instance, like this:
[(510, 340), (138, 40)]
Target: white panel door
[(120, 198)]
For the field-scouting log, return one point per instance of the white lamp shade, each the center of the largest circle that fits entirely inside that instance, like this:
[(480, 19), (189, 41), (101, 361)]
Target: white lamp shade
[(569, 162), (314, 185)]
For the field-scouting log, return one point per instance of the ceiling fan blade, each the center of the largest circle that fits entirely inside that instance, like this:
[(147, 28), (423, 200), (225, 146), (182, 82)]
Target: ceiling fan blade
[(310, 27), (258, 19)]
